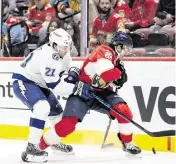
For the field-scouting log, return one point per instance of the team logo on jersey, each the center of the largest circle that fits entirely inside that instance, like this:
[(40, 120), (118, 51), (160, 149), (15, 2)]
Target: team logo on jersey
[(108, 55), (55, 56), (98, 82)]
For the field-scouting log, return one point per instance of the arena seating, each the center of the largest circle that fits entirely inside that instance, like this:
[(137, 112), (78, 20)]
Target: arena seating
[(138, 52), (165, 52)]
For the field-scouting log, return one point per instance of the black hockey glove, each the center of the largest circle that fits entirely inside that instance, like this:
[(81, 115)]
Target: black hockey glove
[(73, 75), (123, 79)]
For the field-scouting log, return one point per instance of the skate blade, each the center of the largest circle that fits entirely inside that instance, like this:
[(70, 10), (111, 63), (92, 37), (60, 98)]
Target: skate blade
[(35, 159), (57, 152), (133, 156)]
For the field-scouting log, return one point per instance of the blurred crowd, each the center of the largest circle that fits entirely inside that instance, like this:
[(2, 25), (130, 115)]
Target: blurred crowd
[(27, 24), (150, 23)]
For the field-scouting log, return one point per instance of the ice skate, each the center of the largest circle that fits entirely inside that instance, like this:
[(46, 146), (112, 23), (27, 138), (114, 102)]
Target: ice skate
[(131, 149), (62, 149), (34, 154)]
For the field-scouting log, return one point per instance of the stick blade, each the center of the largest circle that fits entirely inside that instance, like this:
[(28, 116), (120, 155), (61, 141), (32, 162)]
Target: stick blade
[(107, 145), (164, 133)]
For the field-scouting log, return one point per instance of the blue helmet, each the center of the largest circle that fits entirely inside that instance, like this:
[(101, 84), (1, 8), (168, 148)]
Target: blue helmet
[(121, 38)]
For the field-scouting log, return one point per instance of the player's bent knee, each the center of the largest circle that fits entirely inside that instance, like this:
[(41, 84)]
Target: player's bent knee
[(41, 109), (66, 126), (123, 108), (55, 119)]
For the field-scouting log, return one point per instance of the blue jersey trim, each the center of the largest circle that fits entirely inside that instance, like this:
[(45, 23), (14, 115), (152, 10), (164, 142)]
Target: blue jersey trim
[(21, 77), (53, 85), (36, 123)]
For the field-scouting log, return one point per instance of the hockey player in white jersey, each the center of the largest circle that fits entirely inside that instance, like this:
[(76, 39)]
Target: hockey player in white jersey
[(38, 73)]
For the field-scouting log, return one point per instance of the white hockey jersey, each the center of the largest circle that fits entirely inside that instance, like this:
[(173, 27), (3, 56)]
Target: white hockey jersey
[(44, 67)]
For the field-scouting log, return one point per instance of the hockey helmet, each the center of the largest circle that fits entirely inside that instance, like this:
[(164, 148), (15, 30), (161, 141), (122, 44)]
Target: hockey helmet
[(59, 39), (121, 41)]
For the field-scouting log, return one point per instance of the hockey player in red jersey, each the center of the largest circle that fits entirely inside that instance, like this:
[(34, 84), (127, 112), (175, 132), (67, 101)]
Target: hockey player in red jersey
[(39, 18), (101, 71)]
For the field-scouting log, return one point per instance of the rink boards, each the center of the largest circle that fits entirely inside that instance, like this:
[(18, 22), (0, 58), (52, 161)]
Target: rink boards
[(150, 93)]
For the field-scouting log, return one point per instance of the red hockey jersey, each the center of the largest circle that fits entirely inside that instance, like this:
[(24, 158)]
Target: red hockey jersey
[(98, 69)]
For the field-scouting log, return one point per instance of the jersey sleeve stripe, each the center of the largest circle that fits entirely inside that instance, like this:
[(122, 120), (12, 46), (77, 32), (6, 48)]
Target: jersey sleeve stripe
[(103, 65)]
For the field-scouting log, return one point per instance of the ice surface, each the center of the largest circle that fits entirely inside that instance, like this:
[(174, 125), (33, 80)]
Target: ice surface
[(10, 153)]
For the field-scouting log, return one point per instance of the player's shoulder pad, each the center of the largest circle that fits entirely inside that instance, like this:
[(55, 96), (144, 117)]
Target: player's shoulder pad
[(55, 56), (105, 52)]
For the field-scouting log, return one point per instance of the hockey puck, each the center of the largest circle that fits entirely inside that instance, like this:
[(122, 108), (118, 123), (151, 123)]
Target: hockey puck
[(153, 150)]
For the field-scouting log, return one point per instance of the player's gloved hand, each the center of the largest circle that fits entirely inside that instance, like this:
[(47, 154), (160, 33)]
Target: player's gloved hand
[(123, 79), (73, 75), (120, 65), (83, 90)]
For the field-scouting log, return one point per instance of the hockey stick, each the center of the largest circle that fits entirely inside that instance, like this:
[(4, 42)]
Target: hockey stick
[(105, 136), (153, 134)]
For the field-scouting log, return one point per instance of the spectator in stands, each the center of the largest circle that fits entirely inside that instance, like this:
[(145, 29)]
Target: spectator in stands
[(53, 25), (12, 34), (165, 14), (105, 24), (123, 10), (39, 18), (143, 12), (73, 29), (113, 3), (77, 19)]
